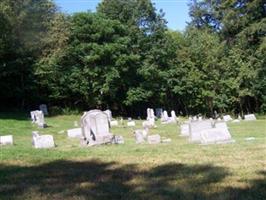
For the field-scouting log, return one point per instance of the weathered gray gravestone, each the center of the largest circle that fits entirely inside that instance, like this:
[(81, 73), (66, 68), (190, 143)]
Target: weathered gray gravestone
[(43, 108), (158, 112)]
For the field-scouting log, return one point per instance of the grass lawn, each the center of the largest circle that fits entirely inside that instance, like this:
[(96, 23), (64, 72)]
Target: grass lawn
[(178, 170)]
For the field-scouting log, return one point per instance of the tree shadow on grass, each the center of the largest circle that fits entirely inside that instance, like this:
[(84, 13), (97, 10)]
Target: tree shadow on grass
[(109, 180)]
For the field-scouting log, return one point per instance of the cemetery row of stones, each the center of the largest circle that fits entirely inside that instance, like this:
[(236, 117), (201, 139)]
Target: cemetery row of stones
[(95, 129)]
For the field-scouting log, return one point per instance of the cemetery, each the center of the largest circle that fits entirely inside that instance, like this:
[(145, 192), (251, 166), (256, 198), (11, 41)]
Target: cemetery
[(132, 100), (185, 154)]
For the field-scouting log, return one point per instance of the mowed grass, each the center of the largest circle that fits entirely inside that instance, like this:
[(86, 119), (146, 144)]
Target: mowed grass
[(176, 170)]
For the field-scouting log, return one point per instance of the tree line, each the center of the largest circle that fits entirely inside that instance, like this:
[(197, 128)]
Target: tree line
[(123, 57)]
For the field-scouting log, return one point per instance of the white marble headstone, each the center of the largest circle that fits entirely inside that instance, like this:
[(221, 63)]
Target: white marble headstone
[(74, 133), (42, 141), (154, 139), (227, 118), (6, 140), (184, 129), (196, 127), (215, 135), (250, 117)]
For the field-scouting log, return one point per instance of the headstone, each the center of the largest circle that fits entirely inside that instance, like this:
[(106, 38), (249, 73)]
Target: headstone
[(6, 140), (215, 136), (158, 112), (74, 133), (42, 141), (154, 139), (200, 118), (76, 124), (166, 140), (194, 118), (109, 114), (148, 124), (236, 121), (196, 127), (184, 129), (33, 116), (164, 117), (118, 139), (43, 108), (173, 116), (114, 123), (38, 118), (249, 117), (227, 118), (95, 127), (131, 123), (221, 125), (140, 138)]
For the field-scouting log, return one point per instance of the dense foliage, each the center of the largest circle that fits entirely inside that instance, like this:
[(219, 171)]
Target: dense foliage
[(124, 58)]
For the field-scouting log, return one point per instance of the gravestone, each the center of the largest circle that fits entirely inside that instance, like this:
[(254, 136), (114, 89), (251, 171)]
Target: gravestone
[(95, 128), (33, 116), (109, 114), (131, 123), (194, 118), (154, 139), (184, 129), (158, 112), (6, 140), (215, 136), (173, 116), (165, 116), (114, 123), (118, 139), (139, 136), (40, 119), (74, 133), (196, 127), (250, 117), (148, 124), (42, 141), (43, 108), (227, 118), (222, 125)]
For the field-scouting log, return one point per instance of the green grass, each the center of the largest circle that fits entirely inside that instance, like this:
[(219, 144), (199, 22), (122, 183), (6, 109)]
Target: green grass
[(178, 170)]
